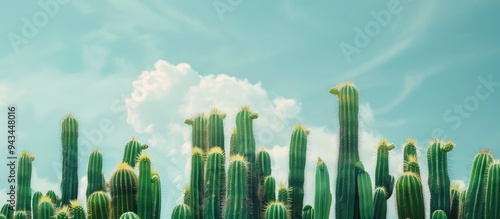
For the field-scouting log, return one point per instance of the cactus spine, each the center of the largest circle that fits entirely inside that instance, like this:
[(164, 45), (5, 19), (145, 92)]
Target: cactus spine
[(322, 195), (455, 200), (237, 195), (269, 190), (46, 208), (283, 194), (439, 181), (98, 205), (307, 212), (76, 210), (196, 179), (382, 177), (297, 165), (409, 197), (492, 203), (69, 139), (182, 211), (380, 203), (439, 214), (129, 215), (34, 204), (8, 212), (95, 177), (132, 151), (410, 149), (53, 197), (216, 129), (276, 210), (263, 170), (156, 187), (412, 165), (24, 169), (123, 185), (477, 185), (348, 152), (20, 215), (63, 213), (144, 192), (199, 132), (364, 184), (214, 185)]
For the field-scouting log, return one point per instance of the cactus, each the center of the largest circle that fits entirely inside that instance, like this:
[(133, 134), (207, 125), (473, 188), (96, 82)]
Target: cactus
[(307, 212), (45, 208), (20, 215), (182, 211), (245, 145), (276, 210), (216, 129), (232, 143), (322, 195), (8, 211), (129, 215), (477, 185), (123, 185), (214, 185), (24, 169), (409, 197), (364, 184), (144, 191), (156, 188), (439, 181), (380, 203), (410, 149), (199, 133), (412, 165), (455, 200), (297, 165), (53, 197), (283, 194), (69, 139), (132, 151), (63, 213), (34, 204), (263, 170), (187, 195), (269, 190), (98, 205), (237, 195), (382, 177), (76, 210), (439, 214), (196, 179), (348, 150), (462, 206), (492, 192), (2, 216), (95, 177)]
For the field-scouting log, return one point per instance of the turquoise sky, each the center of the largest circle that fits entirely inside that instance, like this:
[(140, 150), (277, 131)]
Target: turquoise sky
[(425, 69)]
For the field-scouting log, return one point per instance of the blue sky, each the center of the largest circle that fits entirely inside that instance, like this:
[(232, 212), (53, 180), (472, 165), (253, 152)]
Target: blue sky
[(424, 69)]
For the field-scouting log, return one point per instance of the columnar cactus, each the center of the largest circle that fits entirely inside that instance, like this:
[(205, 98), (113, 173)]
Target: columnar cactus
[(45, 208), (20, 215), (24, 169), (382, 177), (492, 203), (199, 132), (214, 185), (156, 187), (380, 203), (8, 212), (345, 192), (53, 196), (477, 185), (409, 197), (439, 181), (439, 214), (412, 165), (99, 206), (144, 192), (245, 145), (237, 194), (283, 194), (307, 212), (364, 184), (63, 213), (216, 129), (123, 185), (69, 139), (129, 215), (232, 143), (182, 211), (269, 190), (132, 151), (410, 149), (263, 170), (95, 176), (187, 195), (297, 165), (455, 200), (196, 179), (322, 195), (276, 210), (76, 210), (462, 207), (34, 204)]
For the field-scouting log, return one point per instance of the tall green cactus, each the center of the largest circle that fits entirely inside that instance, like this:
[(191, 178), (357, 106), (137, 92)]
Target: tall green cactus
[(156, 187), (364, 184), (276, 210), (199, 132), (284, 194), (455, 200), (216, 129), (214, 186), (196, 183), (95, 176), (410, 149), (237, 195), (34, 204), (20, 215), (439, 180), (297, 165), (69, 139), (307, 212), (462, 207), (232, 143), (477, 185), (380, 203), (46, 208), (144, 192), (412, 165), (263, 170), (182, 211), (132, 151), (245, 145), (492, 192), (129, 215), (322, 195), (269, 190), (345, 192), (409, 197), (8, 212), (99, 205), (382, 177), (76, 210), (439, 214), (123, 185), (24, 169)]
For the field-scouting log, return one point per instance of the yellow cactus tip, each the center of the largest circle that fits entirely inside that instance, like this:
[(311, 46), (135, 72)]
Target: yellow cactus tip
[(124, 166), (45, 199), (143, 157), (63, 210), (154, 172), (485, 151), (412, 159), (133, 139), (28, 154), (216, 111), (455, 186), (215, 150), (245, 108), (95, 150), (410, 141), (74, 203), (67, 116), (302, 127), (262, 149), (282, 187), (186, 189), (336, 90), (233, 131), (320, 161), (197, 151), (238, 157)]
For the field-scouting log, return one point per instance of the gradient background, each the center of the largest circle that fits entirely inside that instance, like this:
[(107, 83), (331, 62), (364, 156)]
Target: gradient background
[(142, 68)]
